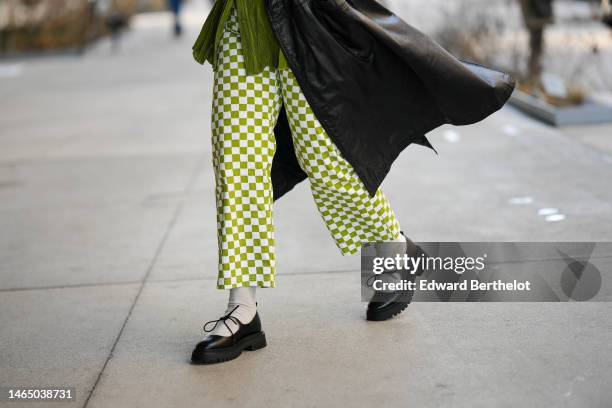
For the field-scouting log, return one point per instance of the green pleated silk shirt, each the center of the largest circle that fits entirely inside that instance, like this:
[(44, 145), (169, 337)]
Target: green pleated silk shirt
[(259, 45)]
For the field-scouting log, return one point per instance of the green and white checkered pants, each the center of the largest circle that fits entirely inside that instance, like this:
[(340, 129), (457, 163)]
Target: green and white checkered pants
[(245, 110)]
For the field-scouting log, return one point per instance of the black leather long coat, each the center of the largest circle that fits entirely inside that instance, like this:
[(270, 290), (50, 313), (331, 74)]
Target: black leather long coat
[(375, 84)]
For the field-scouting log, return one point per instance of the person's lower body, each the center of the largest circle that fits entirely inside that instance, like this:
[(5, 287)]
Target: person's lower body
[(244, 114), (536, 47), (175, 7)]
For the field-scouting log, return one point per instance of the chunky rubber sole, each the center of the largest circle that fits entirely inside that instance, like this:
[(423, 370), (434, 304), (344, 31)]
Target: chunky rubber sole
[(390, 311), (250, 343)]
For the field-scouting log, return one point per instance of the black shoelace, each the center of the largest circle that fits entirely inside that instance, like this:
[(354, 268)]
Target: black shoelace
[(223, 319)]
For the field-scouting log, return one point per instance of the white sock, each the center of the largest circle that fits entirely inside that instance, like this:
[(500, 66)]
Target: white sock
[(393, 247), (242, 302), (400, 238)]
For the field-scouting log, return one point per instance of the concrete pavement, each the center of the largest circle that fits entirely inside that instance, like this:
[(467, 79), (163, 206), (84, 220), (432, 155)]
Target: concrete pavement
[(108, 252)]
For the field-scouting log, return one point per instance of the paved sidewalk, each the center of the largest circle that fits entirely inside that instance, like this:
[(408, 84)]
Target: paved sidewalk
[(108, 252)]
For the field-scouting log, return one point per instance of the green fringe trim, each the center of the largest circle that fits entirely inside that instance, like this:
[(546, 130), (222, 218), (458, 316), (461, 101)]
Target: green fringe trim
[(259, 44), (203, 48)]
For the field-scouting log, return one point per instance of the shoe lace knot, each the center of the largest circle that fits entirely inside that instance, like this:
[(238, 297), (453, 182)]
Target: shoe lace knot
[(223, 319)]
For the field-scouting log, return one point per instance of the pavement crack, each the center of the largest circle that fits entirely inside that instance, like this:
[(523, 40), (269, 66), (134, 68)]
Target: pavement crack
[(160, 247)]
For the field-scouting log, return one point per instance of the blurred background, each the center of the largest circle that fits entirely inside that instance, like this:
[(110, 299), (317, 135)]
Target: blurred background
[(512, 34), (108, 250)]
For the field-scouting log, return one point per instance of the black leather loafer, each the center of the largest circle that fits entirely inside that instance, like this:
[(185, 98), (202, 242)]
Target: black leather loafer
[(217, 349), (385, 305)]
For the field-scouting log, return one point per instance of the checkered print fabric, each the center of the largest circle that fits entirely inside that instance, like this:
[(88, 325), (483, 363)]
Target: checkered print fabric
[(245, 109)]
